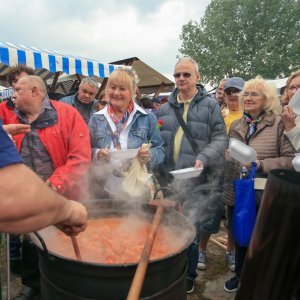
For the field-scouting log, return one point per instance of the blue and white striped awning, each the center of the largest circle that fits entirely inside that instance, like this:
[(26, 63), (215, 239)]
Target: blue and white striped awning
[(47, 62)]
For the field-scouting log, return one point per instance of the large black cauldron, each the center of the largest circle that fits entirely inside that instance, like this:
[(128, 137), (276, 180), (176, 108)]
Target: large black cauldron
[(64, 278)]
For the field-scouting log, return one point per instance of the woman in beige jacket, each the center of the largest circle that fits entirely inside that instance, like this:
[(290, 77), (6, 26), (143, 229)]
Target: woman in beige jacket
[(262, 129)]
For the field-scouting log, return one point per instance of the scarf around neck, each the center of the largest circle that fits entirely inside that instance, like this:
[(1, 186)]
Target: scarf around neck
[(252, 124), (120, 123)]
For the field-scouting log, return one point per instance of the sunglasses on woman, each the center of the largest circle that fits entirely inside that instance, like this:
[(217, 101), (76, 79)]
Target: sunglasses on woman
[(229, 92)]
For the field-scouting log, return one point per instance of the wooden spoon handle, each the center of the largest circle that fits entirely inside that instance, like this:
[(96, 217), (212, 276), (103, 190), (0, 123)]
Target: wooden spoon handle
[(76, 247), (139, 275)]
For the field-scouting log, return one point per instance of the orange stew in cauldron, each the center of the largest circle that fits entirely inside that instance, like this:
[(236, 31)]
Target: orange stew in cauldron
[(117, 240)]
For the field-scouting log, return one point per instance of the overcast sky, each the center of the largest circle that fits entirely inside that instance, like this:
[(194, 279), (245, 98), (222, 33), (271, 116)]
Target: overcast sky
[(105, 31)]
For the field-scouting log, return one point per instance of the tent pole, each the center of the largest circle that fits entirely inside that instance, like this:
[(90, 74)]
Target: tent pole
[(54, 82), (102, 87)]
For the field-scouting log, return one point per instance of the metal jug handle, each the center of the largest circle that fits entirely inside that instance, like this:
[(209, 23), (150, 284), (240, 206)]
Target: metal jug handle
[(41, 240), (178, 203), (162, 189)]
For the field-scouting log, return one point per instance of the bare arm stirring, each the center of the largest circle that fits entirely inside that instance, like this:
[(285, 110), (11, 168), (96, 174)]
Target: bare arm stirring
[(27, 204)]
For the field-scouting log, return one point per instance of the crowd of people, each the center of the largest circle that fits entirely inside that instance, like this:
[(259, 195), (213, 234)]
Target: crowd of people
[(57, 142)]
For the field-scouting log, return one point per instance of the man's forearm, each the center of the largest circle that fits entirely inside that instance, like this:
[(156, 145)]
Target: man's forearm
[(27, 203)]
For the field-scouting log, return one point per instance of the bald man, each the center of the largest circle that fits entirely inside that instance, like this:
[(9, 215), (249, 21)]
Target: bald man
[(58, 146), (194, 134), (57, 149)]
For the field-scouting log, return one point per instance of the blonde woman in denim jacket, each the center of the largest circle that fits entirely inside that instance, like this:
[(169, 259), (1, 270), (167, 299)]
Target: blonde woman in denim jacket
[(122, 124)]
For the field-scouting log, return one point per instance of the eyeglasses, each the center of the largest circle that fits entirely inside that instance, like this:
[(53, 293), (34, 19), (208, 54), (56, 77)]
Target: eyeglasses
[(294, 87), (184, 75), (229, 92), (254, 94)]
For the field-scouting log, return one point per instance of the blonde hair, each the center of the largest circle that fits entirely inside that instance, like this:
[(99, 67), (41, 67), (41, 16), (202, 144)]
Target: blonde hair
[(269, 90), (285, 96), (127, 77)]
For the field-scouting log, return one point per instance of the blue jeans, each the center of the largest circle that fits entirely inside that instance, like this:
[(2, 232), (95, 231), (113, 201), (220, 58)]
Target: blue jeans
[(193, 255)]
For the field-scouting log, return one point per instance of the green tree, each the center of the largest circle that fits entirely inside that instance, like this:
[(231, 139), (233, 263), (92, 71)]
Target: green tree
[(245, 38)]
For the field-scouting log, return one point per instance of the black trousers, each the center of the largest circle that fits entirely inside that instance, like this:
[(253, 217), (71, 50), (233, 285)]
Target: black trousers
[(240, 255), (30, 264)]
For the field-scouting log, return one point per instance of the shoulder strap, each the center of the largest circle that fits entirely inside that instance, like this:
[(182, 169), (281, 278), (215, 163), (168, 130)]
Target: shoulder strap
[(186, 130)]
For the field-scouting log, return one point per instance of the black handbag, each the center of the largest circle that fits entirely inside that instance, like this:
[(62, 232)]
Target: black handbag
[(186, 130)]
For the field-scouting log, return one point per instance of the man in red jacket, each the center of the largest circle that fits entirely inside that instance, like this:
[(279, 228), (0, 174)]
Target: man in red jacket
[(57, 149)]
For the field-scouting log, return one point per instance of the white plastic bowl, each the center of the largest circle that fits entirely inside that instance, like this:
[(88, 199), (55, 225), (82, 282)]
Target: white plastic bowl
[(186, 173), (296, 162), (241, 152), (295, 103), (123, 154)]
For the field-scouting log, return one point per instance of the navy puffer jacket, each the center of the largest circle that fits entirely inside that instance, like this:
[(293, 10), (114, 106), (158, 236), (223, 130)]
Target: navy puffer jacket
[(206, 125)]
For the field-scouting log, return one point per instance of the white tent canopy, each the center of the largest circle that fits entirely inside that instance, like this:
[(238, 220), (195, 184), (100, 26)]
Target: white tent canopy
[(279, 83)]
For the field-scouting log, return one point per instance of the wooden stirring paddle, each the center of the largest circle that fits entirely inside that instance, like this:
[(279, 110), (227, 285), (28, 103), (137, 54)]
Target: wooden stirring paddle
[(76, 247), (139, 275)]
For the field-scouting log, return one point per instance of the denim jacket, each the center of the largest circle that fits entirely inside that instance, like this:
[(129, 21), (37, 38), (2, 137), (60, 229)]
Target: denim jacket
[(143, 129)]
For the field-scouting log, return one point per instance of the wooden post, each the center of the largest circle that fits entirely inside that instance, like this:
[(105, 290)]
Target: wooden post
[(53, 85)]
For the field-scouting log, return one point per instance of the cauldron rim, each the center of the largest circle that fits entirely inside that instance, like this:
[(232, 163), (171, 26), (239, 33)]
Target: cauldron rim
[(113, 265), (117, 211), (288, 176)]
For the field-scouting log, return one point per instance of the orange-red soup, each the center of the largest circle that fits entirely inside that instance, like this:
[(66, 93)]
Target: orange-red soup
[(116, 240)]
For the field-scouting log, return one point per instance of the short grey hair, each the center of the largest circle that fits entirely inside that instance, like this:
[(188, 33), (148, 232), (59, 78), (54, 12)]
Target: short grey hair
[(90, 81), (191, 60)]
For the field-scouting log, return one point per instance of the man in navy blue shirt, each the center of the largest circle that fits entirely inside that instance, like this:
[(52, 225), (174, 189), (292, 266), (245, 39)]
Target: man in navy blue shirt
[(20, 211), (8, 152)]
